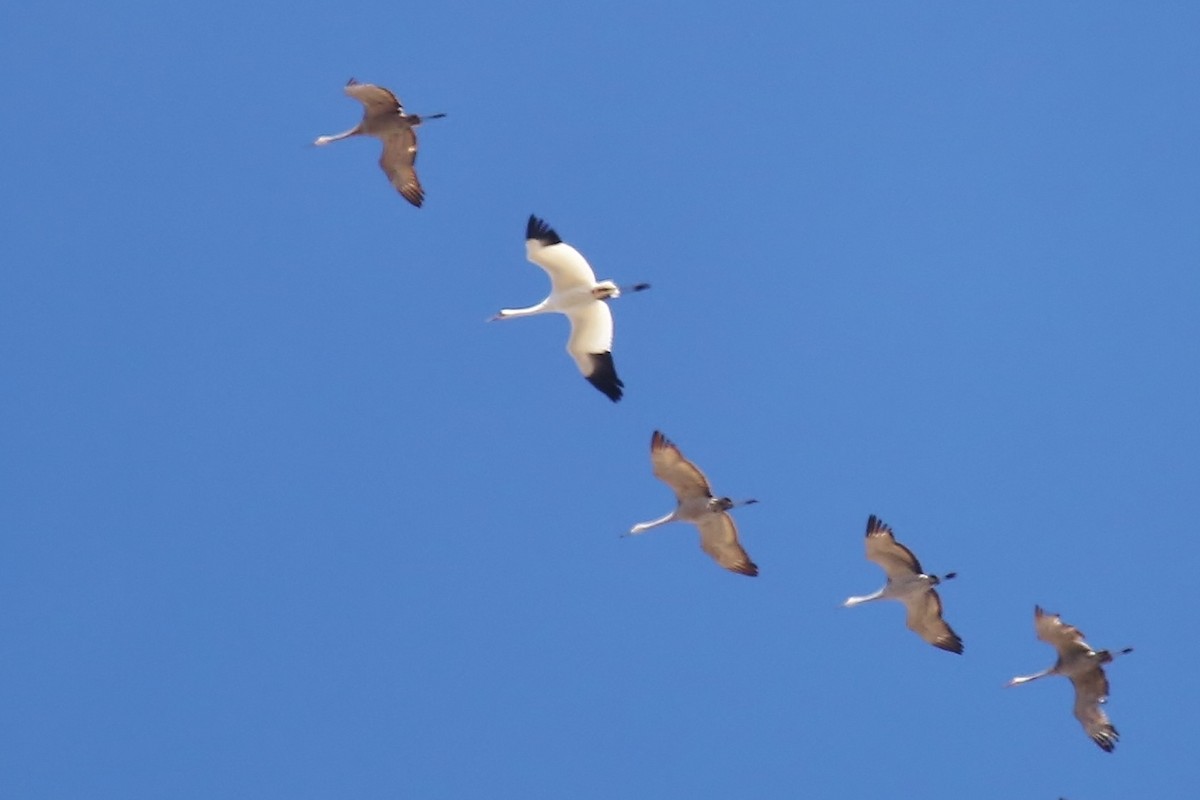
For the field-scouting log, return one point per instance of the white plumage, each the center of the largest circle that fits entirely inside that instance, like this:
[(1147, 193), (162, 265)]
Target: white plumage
[(575, 292)]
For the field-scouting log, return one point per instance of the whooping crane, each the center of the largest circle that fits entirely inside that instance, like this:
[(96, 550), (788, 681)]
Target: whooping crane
[(908, 583), (384, 118), (575, 292), (695, 503), (1083, 665)]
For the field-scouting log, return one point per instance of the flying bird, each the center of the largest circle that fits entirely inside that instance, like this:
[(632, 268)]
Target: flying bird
[(384, 118), (1084, 666), (908, 583), (575, 292), (695, 503)]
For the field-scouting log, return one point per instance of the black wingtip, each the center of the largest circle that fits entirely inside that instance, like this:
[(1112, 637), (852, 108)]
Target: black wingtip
[(1107, 739), (955, 646), (876, 525), (537, 228), (604, 376)]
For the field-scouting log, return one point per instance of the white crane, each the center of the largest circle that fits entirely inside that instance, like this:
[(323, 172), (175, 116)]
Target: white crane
[(1083, 665), (575, 292), (908, 584), (384, 118), (695, 503)]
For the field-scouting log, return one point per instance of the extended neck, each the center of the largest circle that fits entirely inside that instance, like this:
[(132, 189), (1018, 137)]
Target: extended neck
[(866, 598), (641, 527), (323, 140), (510, 313), (1027, 678)]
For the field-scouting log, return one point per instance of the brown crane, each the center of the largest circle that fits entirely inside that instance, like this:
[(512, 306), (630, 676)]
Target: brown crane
[(384, 118), (1084, 666)]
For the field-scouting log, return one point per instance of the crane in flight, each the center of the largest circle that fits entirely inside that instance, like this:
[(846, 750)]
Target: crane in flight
[(384, 118), (1084, 666), (908, 584), (694, 502), (575, 292)]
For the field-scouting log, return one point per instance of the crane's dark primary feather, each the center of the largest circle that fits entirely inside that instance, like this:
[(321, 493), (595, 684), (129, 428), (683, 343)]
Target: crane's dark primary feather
[(604, 376), (538, 229)]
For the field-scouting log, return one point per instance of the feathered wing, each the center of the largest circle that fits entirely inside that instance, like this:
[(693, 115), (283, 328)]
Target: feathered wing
[(1091, 690), (377, 101), (1066, 639), (567, 268), (670, 467), (591, 347), (398, 162), (882, 548), (718, 537), (925, 620)]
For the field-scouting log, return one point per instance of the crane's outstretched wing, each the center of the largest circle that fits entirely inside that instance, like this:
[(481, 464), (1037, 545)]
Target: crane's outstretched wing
[(673, 469), (1091, 690), (398, 162), (925, 620), (567, 268), (718, 537), (1066, 639), (882, 548), (377, 101), (591, 347)]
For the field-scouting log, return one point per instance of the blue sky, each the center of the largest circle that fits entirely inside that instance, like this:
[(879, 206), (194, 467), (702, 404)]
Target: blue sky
[(283, 518)]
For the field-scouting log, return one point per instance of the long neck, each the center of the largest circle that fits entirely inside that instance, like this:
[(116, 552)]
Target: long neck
[(1027, 678), (645, 526), (357, 129), (866, 598), (509, 313)]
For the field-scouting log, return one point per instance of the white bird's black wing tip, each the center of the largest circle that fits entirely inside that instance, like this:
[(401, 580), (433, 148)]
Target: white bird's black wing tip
[(604, 376), (537, 229), (876, 525)]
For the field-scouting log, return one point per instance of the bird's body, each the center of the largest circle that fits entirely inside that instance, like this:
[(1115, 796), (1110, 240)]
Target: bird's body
[(1085, 668), (384, 118), (695, 504), (575, 292), (907, 583)]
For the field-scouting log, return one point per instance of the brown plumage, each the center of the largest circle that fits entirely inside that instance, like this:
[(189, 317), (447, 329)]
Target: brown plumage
[(695, 503), (908, 583), (384, 118), (1084, 666)]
